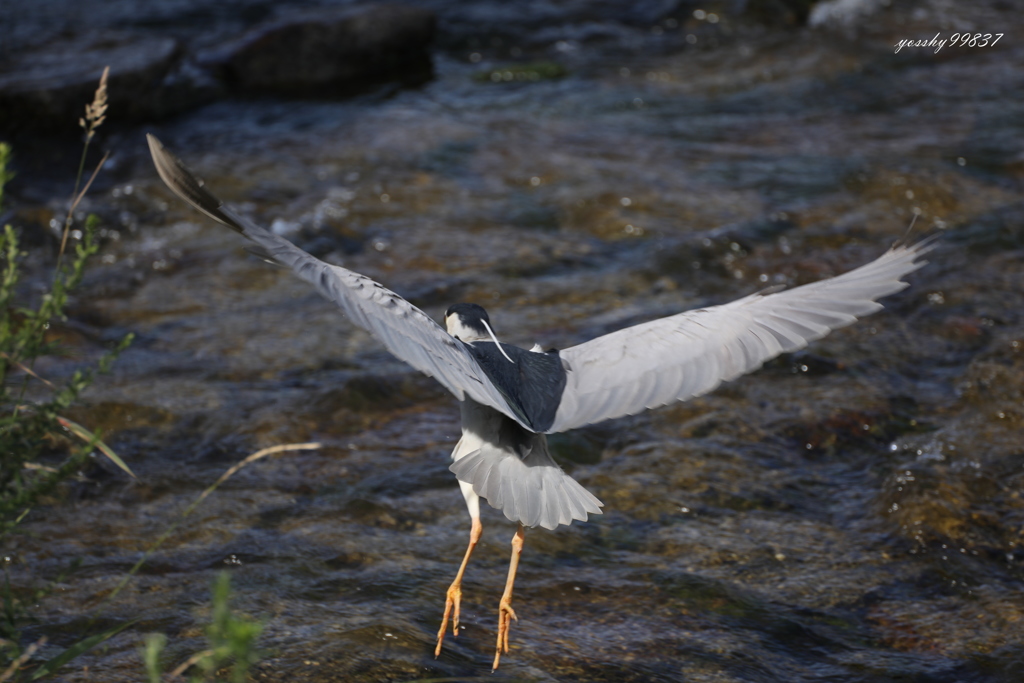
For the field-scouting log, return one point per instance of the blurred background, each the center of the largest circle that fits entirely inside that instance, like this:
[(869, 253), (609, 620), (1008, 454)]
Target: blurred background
[(851, 512)]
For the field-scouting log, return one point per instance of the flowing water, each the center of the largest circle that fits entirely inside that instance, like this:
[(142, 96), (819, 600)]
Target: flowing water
[(852, 512)]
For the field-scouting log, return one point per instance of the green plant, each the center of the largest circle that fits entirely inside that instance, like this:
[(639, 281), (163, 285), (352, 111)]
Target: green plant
[(231, 643), (39, 447), (29, 429)]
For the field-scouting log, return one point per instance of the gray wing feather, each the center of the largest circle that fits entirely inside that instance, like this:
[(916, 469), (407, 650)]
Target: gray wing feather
[(686, 355), (406, 331)]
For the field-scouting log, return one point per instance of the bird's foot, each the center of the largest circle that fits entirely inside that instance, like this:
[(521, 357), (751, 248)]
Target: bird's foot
[(505, 617), (451, 608)]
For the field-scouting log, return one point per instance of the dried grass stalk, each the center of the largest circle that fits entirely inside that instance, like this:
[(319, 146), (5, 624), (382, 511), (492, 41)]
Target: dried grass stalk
[(20, 661), (96, 112)]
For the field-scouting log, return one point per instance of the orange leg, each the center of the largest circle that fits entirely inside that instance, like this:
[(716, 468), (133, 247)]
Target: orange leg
[(454, 598), (505, 613)]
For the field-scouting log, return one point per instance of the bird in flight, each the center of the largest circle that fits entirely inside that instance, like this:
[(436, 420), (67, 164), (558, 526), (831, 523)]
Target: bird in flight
[(510, 398)]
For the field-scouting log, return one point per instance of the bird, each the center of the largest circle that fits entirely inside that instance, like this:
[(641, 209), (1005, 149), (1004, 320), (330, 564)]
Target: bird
[(510, 398)]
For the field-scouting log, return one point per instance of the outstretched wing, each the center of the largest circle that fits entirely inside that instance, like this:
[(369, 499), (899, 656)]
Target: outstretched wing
[(686, 355), (407, 332)]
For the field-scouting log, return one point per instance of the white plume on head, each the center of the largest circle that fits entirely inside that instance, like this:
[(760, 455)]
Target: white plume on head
[(496, 342)]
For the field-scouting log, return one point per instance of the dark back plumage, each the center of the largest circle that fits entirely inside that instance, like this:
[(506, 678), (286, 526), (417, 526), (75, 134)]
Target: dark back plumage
[(532, 384)]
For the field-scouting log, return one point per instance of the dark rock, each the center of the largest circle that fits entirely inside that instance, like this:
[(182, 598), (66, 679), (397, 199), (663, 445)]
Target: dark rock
[(47, 88), (779, 13), (329, 53), (185, 86)]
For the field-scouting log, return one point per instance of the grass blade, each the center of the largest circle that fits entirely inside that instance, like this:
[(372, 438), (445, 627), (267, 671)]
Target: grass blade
[(87, 436), (52, 665)]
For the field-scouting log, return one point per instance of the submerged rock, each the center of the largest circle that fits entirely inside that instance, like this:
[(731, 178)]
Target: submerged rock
[(845, 15), (327, 53), (48, 87)]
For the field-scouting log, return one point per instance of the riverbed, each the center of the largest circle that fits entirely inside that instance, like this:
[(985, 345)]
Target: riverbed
[(851, 512)]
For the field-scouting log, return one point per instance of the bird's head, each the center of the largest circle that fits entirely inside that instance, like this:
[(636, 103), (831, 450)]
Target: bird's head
[(467, 322)]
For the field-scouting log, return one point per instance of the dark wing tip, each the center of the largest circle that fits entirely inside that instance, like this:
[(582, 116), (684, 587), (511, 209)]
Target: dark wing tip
[(183, 183)]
